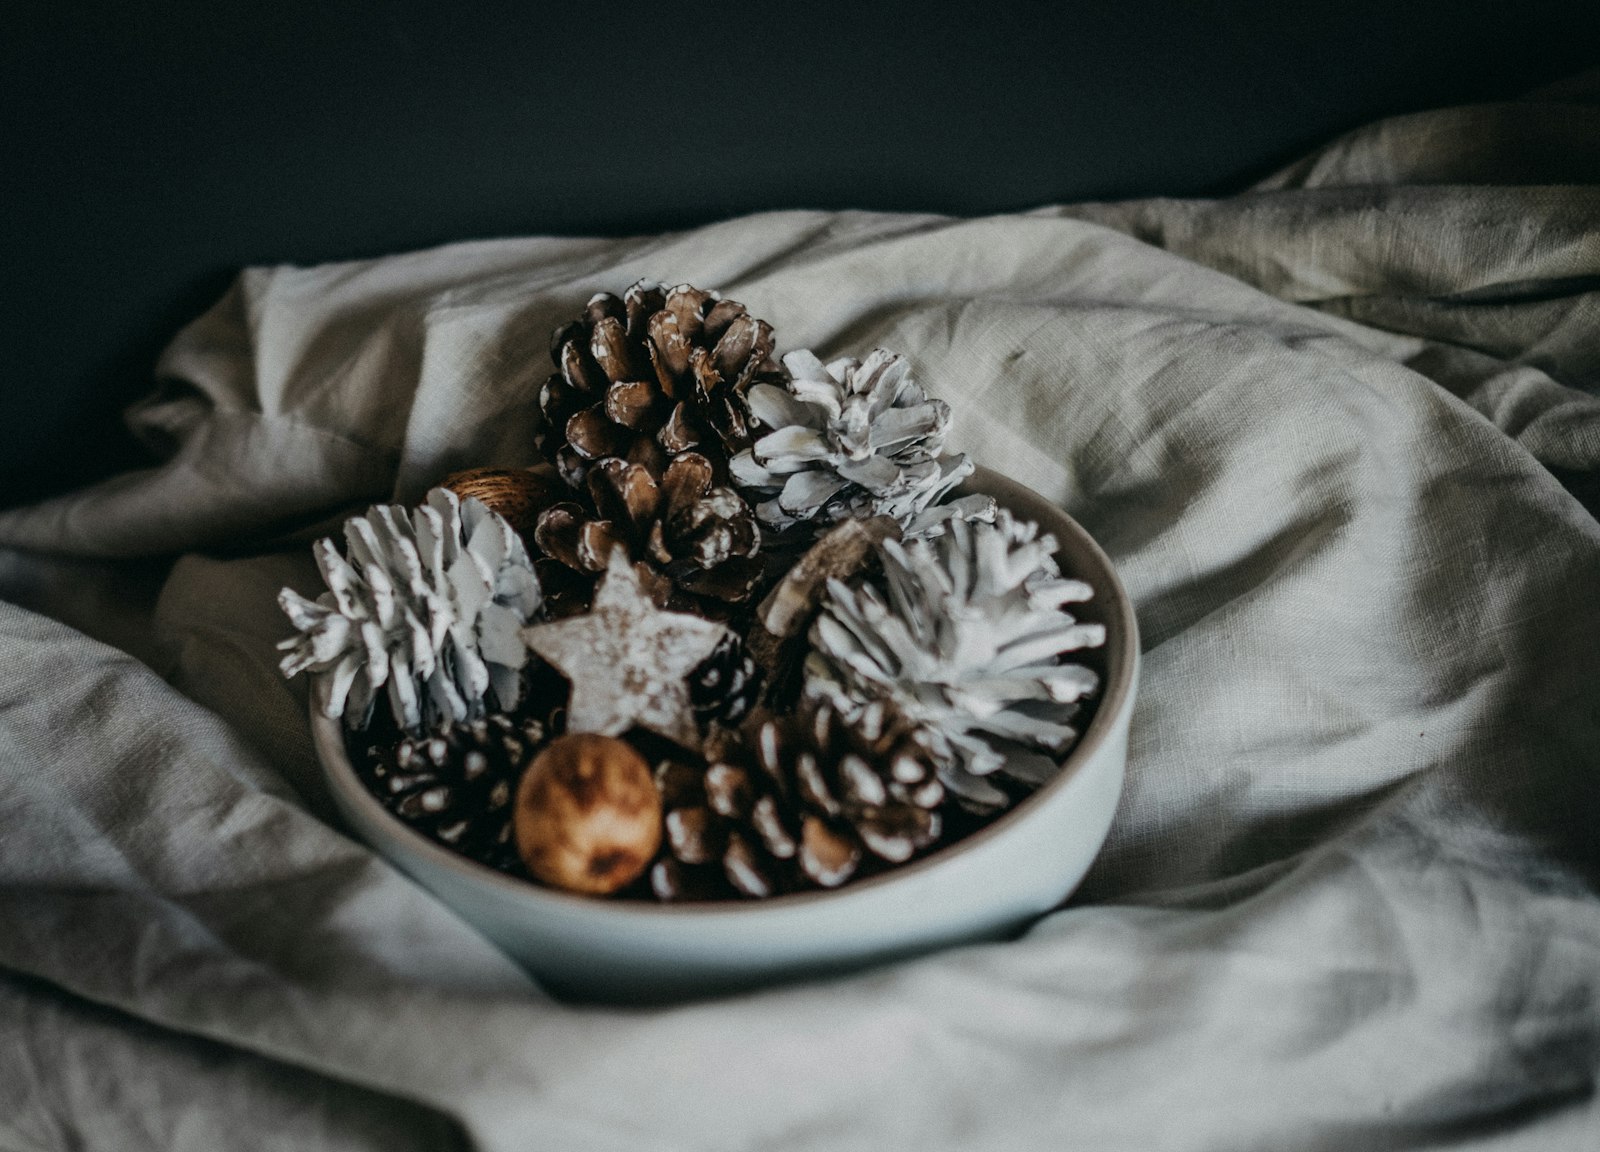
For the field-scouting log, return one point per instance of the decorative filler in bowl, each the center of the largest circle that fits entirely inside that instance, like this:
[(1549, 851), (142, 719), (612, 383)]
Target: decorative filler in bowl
[(748, 632)]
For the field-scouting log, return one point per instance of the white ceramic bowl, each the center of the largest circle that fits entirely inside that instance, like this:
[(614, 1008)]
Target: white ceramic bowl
[(986, 886)]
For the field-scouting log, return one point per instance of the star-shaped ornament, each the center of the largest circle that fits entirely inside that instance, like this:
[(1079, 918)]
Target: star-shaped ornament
[(628, 660)]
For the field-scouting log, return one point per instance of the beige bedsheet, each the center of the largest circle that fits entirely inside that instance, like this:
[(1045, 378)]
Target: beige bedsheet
[(1336, 433)]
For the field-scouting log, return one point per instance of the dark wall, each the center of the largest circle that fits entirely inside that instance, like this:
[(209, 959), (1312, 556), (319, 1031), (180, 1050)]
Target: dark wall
[(147, 150)]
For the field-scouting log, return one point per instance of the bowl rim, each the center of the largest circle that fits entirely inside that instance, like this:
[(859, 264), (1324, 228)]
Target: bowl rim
[(1121, 672)]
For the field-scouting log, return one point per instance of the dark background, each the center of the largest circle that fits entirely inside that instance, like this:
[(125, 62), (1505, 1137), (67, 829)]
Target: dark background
[(149, 150)]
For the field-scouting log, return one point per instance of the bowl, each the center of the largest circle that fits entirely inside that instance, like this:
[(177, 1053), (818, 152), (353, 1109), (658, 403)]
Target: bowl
[(989, 885)]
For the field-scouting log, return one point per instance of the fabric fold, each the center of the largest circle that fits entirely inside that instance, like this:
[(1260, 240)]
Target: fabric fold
[(1331, 432)]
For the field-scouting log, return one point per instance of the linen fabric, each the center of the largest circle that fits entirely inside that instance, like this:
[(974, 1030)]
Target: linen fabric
[(1336, 433)]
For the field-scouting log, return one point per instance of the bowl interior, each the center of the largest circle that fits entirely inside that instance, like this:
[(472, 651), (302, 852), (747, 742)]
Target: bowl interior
[(1115, 662)]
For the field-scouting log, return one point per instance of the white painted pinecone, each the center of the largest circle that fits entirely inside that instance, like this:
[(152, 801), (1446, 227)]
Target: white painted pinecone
[(851, 439), (964, 632), (430, 606)]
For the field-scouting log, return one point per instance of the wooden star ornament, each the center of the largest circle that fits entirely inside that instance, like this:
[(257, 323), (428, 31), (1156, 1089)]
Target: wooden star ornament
[(628, 660)]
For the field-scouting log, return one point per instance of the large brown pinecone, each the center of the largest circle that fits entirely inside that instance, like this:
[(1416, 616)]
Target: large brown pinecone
[(701, 539), (651, 375), (795, 802)]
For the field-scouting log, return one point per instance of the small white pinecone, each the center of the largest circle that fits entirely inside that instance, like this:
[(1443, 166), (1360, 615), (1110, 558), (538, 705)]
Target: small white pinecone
[(964, 633), (850, 439), (429, 605)]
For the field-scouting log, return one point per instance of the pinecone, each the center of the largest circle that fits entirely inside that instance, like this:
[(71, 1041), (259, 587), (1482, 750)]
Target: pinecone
[(701, 540), (521, 496), (652, 375), (456, 784), (794, 802), (848, 440), (726, 685), (429, 605), (966, 634), (776, 637)]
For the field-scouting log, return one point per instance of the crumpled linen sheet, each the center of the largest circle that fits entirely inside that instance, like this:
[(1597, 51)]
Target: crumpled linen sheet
[(1336, 433)]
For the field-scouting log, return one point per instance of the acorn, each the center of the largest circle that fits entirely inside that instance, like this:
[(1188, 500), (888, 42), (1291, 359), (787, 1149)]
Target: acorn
[(588, 816)]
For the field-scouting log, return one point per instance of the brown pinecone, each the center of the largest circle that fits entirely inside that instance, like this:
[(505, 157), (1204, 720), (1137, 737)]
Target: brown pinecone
[(726, 685), (701, 540), (651, 375), (456, 784), (796, 802)]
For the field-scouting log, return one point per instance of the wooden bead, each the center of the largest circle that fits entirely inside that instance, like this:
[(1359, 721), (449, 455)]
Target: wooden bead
[(588, 816), (517, 494)]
